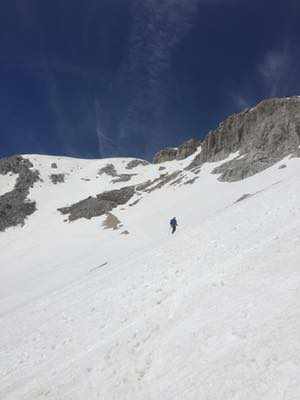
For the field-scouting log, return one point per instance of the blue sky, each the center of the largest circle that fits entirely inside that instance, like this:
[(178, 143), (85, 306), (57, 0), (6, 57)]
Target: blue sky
[(94, 78)]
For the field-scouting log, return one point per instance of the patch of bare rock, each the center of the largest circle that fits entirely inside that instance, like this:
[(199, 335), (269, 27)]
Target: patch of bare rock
[(135, 163), (123, 178), (185, 150), (108, 169), (57, 178), (103, 203), (151, 185), (112, 222), (14, 205)]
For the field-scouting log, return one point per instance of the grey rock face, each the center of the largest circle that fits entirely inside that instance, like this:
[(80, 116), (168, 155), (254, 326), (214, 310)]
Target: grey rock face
[(187, 148), (135, 163), (123, 178), (101, 204), (112, 222), (191, 181), (54, 165), (244, 197), (151, 185), (263, 135), (14, 206), (109, 169), (168, 154), (57, 178)]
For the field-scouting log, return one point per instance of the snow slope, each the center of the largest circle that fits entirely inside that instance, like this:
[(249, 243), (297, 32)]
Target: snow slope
[(211, 313)]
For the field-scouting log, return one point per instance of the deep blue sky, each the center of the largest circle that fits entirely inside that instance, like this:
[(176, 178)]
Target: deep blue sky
[(95, 78)]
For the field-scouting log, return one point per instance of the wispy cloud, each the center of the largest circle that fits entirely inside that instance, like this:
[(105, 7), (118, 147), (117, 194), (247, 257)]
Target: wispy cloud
[(275, 70), (275, 75), (106, 145), (158, 26)]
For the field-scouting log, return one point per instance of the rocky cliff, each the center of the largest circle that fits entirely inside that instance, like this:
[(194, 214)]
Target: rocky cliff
[(262, 136), (185, 150)]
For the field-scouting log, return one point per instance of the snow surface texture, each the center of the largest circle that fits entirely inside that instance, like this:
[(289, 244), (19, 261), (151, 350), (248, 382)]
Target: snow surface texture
[(212, 312), (7, 183)]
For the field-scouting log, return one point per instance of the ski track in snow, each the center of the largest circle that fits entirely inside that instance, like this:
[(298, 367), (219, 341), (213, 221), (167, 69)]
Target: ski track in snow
[(211, 313)]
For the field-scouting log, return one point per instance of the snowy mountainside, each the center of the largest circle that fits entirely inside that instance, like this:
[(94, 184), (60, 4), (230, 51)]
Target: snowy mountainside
[(98, 300), (211, 312)]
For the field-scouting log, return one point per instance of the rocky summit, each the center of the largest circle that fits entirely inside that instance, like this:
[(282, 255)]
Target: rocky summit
[(260, 136)]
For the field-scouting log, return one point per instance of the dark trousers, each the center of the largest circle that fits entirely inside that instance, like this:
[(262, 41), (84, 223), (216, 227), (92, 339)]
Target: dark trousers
[(173, 228)]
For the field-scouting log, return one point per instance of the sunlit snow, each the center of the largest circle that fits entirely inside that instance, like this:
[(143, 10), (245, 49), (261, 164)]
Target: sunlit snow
[(212, 312)]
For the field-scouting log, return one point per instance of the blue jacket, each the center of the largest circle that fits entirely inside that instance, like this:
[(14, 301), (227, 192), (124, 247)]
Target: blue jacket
[(173, 222)]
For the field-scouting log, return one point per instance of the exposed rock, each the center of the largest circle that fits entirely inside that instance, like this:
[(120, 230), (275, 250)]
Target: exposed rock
[(57, 178), (161, 168), (282, 166), (262, 135), (134, 203), (244, 197), (168, 154), (123, 178), (143, 186), (109, 169), (14, 206), (177, 181), (149, 186), (101, 204), (125, 232), (191, 181), (163, 180), (135, 163), (111, 222), (54, 165), (187, 148)]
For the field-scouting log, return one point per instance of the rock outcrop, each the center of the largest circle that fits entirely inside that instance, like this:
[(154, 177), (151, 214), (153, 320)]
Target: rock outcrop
[(123, 178), (187, 148), (14, 206), (262, 135), (168, 154), (172, 153), (57, 178), (109, 169), (135, 163), (101, 204)]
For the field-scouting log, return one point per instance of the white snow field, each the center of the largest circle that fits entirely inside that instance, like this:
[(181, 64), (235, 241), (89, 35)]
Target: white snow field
[(210, 313)]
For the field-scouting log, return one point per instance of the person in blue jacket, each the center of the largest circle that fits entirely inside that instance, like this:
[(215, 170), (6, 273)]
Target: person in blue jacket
[(173, 224)]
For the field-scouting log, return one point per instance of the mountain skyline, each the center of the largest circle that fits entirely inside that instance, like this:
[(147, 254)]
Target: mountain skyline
[(115, 78)]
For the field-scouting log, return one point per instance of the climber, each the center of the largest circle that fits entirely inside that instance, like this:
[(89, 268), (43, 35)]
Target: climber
[(173, 224)]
